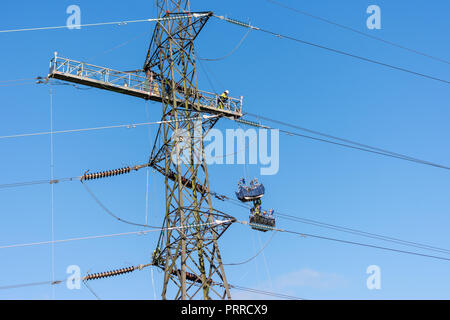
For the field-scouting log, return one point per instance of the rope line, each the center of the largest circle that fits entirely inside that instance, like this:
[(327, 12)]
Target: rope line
[(231, 52), (253, 257)]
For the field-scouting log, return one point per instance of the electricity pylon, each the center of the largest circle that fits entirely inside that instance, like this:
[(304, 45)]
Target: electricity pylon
[(189, 256), (187, 249)]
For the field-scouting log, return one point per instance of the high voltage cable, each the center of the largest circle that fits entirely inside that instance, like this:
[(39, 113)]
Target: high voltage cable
[(254, 256), (362, 233), (302, 234), (246, 25), (30, 244), (30, 284), (123, 271), (356, 146), (17, 80), (328, 135), (36, 182), (366, 245), (15, 84), (131, 125), (157, 229), (288, 217), (249, 289), (88, 277), (120, 23), (52, 188), (85, 176), (117, 46), (391, 43), (368, 150), (110, 212), (231, 52), (267, 293), (349, 230), (279, 214), (240, 288)]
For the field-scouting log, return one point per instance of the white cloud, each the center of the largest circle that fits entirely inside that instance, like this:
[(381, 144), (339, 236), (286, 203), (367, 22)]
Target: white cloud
[(309, 278), (289, 282)]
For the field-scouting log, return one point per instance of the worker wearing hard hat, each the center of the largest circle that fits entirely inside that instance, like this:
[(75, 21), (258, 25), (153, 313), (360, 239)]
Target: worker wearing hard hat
[(223, 99)]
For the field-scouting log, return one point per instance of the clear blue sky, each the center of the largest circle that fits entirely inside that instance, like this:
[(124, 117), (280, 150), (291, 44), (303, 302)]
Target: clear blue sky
[(278, 78)]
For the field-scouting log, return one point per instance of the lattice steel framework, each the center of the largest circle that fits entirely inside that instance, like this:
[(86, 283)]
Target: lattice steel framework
[(190, 256)]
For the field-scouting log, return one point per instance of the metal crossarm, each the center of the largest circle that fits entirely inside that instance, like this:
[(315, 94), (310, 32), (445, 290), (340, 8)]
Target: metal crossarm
[(138, 85)]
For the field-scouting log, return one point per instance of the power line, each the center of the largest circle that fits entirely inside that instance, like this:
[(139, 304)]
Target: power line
[(17, 80), (267, 293), (279, 214), (143, 232), (354, 243), (52, 209), (118, 46), (90, 290), (85, 279), (327, 135), (348, 230), (119, 23), (356, 146), (60, 83), (309, 221), (207, 76), (253, 257), (30, 284), (391, 43), (363, 233), (15, 84), (368, 150), (85, 176), (281, 36), (231, 52), (139, 267), (110, 212), (37, 182), (282, 216), (30, 244), (129, 126)]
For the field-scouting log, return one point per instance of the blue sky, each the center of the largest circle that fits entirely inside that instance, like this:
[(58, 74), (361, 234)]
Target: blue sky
[(279, 79)]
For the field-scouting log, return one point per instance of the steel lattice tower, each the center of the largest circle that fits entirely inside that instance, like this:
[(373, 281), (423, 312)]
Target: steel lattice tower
[(189, 256), (187, 249)]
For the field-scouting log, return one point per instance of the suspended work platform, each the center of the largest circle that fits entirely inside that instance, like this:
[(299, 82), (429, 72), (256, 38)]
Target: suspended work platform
[(137, 84)]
